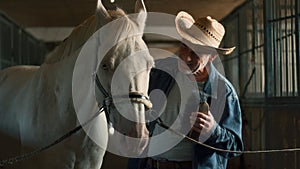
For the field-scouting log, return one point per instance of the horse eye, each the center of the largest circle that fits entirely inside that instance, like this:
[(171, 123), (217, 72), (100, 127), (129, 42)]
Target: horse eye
[(105, 67)]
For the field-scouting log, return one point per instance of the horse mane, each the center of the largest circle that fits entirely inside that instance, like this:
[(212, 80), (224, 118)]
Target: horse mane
[(79, 35)]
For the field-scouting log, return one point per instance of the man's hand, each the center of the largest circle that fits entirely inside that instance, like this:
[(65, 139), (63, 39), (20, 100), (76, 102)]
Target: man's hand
[(202, 122)]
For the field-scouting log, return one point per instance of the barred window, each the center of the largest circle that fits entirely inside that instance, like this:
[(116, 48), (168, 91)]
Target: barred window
[(282, 56), (266, 62), (17, 46)]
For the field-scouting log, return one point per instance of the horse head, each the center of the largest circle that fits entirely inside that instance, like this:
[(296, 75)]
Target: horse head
[(124, 73)]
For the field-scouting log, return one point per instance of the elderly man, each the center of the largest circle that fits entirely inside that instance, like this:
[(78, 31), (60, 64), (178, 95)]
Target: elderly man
[(219, 127)]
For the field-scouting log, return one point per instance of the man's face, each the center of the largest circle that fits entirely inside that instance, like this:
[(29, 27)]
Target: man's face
[(195, 61)]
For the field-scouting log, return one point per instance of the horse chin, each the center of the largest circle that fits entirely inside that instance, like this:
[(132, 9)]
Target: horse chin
[(130, 136), (137, 138), (128, 146), (134, 146)]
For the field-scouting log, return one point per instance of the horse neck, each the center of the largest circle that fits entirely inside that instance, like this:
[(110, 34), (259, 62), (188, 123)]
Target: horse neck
[(61, 61), (74, 42)]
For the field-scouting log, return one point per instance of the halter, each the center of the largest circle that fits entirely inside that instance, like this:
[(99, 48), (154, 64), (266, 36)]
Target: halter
[(107, 102)]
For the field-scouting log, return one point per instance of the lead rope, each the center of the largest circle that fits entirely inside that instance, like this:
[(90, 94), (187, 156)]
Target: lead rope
[(25, 156), (162, 124)]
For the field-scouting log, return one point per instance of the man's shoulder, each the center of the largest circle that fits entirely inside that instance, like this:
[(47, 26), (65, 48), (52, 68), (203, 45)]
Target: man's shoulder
[(230, 89), (231, 92)]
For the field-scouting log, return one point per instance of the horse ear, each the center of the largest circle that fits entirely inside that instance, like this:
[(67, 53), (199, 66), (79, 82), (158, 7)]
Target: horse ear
[(141, 20), (140, 5), (142, 14), (102, 15)]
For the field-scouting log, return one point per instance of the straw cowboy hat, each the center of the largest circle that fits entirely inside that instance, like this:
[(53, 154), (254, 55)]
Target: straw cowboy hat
[(204, 31)]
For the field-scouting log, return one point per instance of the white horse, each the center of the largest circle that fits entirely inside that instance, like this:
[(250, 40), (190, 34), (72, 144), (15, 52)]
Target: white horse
[(36, 105)]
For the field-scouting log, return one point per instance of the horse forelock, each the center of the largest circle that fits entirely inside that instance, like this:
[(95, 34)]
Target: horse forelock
[(123, 34), (129, 26), (115, 14)]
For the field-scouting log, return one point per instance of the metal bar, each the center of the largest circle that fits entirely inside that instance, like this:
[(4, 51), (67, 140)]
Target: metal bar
[(259, 50), (262, 64), (280, 52), (297, 27), (275, 52), (269, 87), (293, 49), (254, 33), (282, 18), (286, 51), (284, 37)]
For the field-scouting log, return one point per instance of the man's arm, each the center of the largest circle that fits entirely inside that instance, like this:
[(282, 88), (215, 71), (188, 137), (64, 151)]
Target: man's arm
[(228, 132)]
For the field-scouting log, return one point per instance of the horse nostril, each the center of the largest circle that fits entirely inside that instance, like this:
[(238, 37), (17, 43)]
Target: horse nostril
[(147, 108)]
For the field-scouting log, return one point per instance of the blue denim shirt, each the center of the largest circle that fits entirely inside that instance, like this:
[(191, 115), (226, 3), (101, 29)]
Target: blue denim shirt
[(228, 131)]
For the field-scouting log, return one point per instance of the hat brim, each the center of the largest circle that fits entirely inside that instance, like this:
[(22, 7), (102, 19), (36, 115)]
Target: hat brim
[(184, 22)]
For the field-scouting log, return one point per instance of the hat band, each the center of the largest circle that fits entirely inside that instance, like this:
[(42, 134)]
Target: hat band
[(207, 31), (200, 37)]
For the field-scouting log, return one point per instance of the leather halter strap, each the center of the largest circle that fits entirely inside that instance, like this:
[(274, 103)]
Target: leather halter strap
[(107, 102)]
